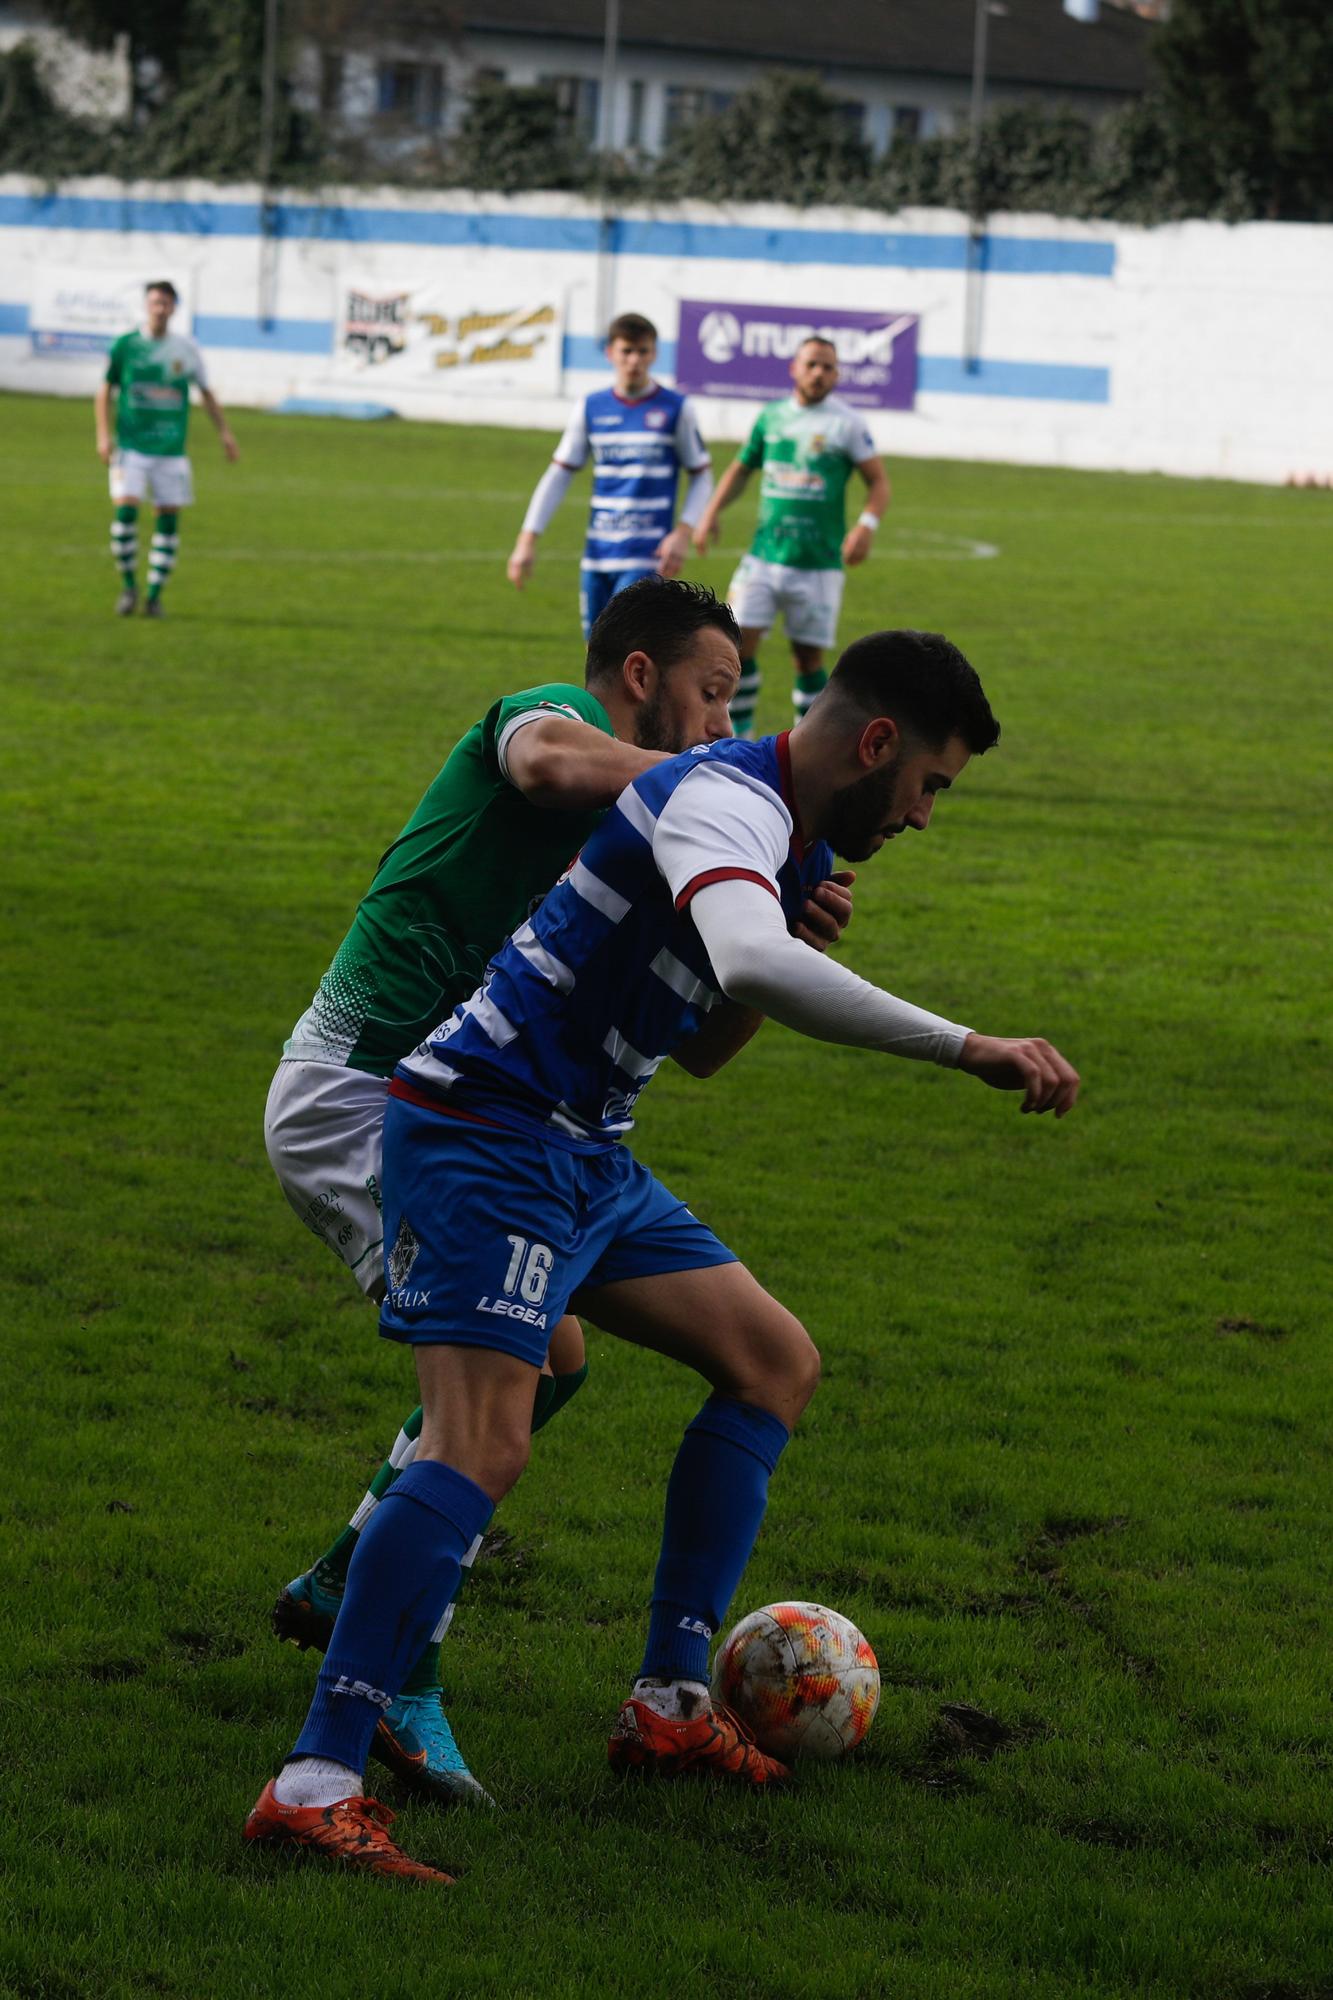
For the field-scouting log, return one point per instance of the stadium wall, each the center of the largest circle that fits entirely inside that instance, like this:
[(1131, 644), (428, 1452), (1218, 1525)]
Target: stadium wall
[(1193, 349)]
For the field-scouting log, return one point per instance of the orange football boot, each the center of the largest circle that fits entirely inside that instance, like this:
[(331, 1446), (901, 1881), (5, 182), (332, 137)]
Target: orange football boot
[(715, 1744), (352, 1832)]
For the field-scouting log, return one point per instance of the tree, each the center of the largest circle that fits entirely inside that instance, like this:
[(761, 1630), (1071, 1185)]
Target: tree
[(1246, 87), (782, 139)]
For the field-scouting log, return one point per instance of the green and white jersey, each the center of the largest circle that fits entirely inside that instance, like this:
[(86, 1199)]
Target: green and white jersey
[(807, 452), (153, 378), (472, 862)]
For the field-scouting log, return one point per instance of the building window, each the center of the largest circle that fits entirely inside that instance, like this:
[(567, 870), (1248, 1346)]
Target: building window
[(411, 94), (330, 82), (907, 121), (576, 99), (685, 103), (634, 122)]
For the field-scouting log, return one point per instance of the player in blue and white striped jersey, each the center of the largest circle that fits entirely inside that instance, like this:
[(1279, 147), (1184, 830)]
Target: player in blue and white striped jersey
[(640, 437), (508, 1189)]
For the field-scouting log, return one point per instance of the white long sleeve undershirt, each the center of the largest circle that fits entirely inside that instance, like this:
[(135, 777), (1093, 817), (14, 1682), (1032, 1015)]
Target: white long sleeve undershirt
[(549, 491), (759, 963), (697, 495)]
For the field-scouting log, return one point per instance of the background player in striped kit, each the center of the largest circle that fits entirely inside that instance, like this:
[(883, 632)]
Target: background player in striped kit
[(152, 371), (804, 448), (640, 437)]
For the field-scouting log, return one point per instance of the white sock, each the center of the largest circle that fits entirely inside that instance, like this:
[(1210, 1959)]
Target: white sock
[(316, 1781), (674, 1701)]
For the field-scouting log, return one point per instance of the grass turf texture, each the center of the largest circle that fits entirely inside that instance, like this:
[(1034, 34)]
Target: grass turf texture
[(1069, 1463)]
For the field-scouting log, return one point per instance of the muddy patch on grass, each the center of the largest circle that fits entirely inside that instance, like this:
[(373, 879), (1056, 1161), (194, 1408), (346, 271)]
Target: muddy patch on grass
[(1257, 1329)]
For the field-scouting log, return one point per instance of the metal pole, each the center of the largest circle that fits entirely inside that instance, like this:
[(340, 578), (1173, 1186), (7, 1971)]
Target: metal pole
[(976, 215), (606, 129), (268, 105)]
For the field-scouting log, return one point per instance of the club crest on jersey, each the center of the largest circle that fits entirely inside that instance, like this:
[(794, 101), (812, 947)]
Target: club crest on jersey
[(656, 420)]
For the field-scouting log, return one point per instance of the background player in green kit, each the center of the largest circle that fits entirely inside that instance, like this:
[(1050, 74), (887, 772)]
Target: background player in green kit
[(514, 802), (152, 372), (806, 446)]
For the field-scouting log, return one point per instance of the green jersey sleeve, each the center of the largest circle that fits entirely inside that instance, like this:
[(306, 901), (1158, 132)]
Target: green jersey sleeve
[(752, 451), (115, 361), (512, 711)]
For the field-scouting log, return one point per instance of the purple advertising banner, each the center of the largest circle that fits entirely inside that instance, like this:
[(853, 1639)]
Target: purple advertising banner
[(735, 350)]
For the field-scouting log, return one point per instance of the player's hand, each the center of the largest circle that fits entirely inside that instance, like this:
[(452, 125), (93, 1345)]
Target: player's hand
[(231, 451), (1026, 1063), (519, 567), (672, 551), (856, 545), (706, 532), (104, 450), (827, 912)]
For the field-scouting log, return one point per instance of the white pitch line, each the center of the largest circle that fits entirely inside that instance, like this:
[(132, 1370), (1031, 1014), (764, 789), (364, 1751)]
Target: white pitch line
[(964, 549)]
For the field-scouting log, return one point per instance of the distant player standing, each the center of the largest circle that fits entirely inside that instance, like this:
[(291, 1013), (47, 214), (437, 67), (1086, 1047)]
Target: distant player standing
[(806, 445), (640, 436), (152, 371)]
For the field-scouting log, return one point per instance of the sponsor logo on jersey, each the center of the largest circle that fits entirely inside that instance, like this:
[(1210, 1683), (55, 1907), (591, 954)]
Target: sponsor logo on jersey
[(403, 1301)]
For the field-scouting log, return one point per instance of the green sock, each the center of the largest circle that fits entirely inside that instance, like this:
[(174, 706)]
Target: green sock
[(125, 544), (745, 697), (162, 553), (806, 688), (553, 1392)]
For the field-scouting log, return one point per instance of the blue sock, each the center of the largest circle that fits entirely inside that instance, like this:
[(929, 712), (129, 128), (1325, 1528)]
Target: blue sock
[(716, 1498), (402, 1577)]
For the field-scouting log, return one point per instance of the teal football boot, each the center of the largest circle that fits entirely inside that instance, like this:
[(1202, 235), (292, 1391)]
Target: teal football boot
[(415, 1741)]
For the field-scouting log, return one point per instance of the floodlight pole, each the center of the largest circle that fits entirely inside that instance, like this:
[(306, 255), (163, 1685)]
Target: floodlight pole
[(606, 137), (976, 227), (268, 106)]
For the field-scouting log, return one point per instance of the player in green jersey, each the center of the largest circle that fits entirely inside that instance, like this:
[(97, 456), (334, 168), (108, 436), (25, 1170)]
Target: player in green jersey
[(152, 371), (515, 800), (805, 447)]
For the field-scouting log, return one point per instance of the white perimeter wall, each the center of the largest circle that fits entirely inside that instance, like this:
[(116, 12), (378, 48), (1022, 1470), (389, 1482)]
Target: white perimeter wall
[(1192, 349)]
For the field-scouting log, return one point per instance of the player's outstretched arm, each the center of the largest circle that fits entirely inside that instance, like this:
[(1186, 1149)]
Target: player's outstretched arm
[(827, 913), (760, 965), (218, 418), (729, 487), (560, 763)]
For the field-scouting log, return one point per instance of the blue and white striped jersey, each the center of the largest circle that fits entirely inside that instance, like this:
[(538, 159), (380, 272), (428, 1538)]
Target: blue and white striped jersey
[(582, 1004), (638, 450)]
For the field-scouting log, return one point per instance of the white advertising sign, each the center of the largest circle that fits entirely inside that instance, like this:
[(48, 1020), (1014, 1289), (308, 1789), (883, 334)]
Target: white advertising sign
[(78, 311), (459, 338)]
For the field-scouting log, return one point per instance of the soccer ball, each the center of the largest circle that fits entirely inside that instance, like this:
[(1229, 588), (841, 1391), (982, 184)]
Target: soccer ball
[(802, 1677)]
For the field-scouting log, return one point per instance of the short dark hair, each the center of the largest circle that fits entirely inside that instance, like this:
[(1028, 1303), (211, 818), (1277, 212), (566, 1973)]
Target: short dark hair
[(163, 285), (923, 682), (658, 616), (631, 326), (816, 340)]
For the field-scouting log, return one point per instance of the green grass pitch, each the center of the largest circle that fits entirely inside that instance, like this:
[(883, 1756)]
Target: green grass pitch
[(1069, 1464)]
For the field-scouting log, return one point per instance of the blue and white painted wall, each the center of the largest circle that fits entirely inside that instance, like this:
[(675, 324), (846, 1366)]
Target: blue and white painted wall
[(1193, 349)]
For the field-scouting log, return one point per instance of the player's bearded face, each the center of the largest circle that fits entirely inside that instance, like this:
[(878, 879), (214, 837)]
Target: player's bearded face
[(656, 727), (862, 813)]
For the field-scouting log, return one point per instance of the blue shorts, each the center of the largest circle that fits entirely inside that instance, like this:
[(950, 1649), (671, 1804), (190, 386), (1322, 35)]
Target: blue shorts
[(488, 1233), (598, 586)]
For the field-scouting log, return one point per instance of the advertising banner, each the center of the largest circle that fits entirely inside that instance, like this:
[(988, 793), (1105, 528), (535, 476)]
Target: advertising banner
[(78, 312), (458, 338), (744, 351)]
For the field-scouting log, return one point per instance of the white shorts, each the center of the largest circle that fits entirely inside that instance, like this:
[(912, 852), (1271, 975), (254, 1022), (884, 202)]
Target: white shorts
[(138, 475), (324, 1130), (809, 599)]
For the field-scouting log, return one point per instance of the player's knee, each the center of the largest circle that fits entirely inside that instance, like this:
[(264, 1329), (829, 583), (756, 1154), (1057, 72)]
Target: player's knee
[(507, 1456), (804, 1366)]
